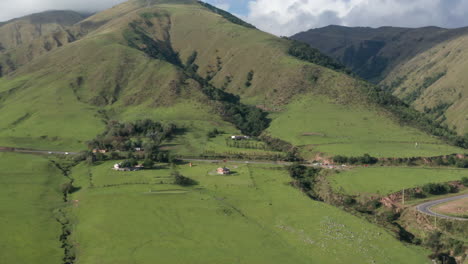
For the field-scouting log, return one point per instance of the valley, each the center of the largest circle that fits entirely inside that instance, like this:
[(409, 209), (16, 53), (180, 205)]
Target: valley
[(114, 127)]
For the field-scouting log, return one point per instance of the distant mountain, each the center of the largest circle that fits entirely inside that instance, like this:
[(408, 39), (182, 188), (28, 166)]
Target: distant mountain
[(422, 66), (22, 30), (372, 53)]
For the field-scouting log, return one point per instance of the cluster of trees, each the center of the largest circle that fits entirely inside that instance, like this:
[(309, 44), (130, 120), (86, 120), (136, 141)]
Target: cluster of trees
[(276, 144), (365, 159), (304, 177), (305, 52), (250, 77), (439, 188), (145, 134), (246, 144), (451, 161)]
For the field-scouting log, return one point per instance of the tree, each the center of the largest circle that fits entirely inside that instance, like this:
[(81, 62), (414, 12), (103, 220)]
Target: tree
[(148, 164), (67, 188), (462, 164), (464, 181), (182, 180), (129, 163)]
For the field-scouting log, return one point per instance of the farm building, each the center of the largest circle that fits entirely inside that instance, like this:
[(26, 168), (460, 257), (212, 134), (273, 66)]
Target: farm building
[(224, 171), (118, 167), (102, 151), (240, 137)]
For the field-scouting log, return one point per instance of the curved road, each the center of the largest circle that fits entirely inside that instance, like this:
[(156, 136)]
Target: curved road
[(425, 208)]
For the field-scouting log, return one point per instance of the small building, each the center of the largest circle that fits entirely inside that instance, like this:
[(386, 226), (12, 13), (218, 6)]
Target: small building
[(224, 171), (240, 137), (102, 151), (138, 149), (118, 167)]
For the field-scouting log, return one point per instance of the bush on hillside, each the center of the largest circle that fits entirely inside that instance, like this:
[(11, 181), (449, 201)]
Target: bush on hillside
[(304, 177), (182, 180), (464, 181), (436, 188), (462, 164), (365, 159)]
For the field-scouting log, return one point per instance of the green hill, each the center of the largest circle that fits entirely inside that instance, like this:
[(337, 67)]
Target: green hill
[(434, 82), (422, 66), (140, 60), (191, 65)]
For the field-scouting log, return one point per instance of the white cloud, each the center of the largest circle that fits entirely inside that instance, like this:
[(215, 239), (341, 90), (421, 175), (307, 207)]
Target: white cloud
[(286, 17), (15, 8)]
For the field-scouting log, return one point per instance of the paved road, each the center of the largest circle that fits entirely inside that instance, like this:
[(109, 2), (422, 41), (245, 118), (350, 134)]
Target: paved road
[(426, 207), (241, 161), (33, 151)]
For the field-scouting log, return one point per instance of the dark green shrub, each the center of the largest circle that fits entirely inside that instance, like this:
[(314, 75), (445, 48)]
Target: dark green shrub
[(181, 180), (436, 188)]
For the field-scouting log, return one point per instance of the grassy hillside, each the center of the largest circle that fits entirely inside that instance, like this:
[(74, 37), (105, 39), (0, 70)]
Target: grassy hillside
[(321, 126), (140, 60), (29, 196), (223, 219), (373, 53), (424, 66), (434, 81), (385, 181)]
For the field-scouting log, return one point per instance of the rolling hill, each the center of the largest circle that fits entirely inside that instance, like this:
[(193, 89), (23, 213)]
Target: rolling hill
[(211, 75), (145, 59), (422, 66)]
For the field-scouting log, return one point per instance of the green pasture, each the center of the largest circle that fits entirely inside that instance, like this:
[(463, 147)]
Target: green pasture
[(29, 195), (386, 180), (322, 126), (252, 216)]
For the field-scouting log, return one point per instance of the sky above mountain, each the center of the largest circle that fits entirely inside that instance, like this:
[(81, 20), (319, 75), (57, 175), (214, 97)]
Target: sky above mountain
[(286, 17)]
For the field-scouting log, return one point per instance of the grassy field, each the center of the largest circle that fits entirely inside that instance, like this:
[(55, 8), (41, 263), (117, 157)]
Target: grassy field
[(321, 126), (252, 216), (29, 194), (386, 180)]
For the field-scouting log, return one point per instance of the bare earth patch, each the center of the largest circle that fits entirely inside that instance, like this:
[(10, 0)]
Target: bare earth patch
[(454, 208)]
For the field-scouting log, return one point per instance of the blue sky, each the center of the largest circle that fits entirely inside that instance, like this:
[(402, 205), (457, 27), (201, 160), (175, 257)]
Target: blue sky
[(287, 17), (239, 7)]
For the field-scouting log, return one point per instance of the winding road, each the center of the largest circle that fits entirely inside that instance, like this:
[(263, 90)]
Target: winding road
[(425, 208)]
